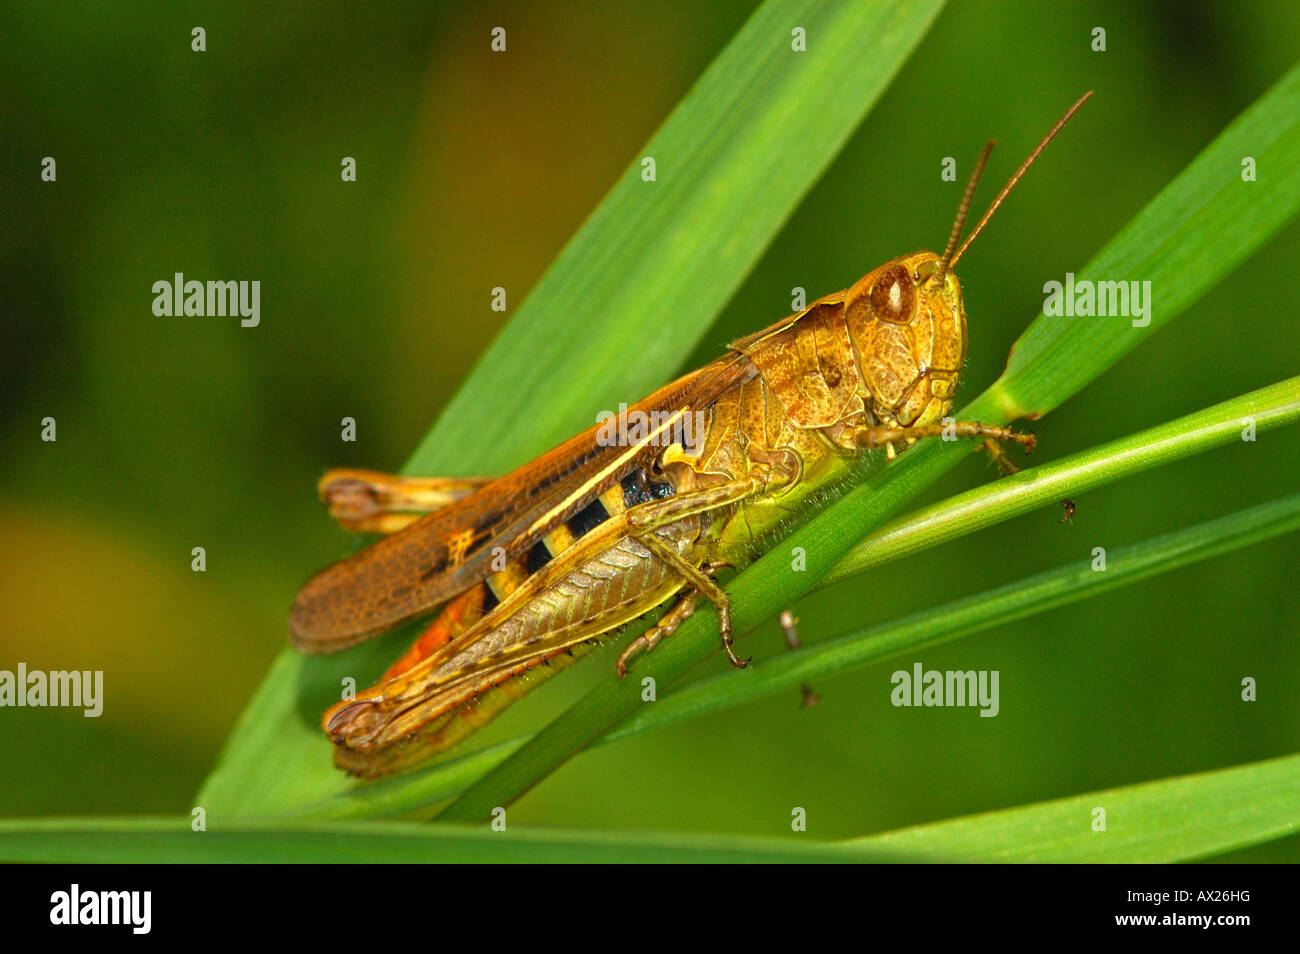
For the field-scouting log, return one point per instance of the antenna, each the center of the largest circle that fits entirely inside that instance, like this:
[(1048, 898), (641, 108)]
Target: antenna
[(1011, 183), (955, 235)]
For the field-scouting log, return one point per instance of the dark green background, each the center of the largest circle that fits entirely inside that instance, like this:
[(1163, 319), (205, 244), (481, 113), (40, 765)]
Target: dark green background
[(474, 169)]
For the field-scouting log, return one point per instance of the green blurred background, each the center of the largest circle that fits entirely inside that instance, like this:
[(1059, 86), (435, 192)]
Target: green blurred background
[(473, 170)]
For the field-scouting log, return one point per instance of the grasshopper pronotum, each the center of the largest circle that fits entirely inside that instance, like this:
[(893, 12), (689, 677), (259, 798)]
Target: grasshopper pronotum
[(534, 567)]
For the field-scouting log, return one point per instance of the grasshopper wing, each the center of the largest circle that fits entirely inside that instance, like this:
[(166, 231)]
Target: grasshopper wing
[(411, 572), (604, 582)]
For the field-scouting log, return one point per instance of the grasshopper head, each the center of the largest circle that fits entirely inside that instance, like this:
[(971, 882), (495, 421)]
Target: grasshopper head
[(907, 325), (907, 322)]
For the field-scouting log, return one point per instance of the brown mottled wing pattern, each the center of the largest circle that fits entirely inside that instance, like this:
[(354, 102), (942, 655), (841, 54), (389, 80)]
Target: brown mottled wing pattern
[(444, 553)]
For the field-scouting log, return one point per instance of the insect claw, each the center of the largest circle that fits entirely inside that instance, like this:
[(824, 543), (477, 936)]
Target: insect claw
[(632, 649), (737, 661), (639, 645)]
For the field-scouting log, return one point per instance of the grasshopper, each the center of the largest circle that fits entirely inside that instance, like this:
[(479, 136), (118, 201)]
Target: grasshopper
[(534, 568)]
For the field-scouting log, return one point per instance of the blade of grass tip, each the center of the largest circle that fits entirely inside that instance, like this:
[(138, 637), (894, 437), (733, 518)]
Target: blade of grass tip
[(1193, 215), (1175, 819), (1267, 408), (733, 161)]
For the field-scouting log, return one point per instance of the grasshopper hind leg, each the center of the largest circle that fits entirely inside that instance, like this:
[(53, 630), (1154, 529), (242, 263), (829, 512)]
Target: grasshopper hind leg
[(460, 722), (645, 519)]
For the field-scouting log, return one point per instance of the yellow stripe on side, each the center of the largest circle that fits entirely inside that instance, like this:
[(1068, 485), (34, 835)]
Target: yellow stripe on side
[(558, 540), (612, 498), (655, 438), (506, 581)]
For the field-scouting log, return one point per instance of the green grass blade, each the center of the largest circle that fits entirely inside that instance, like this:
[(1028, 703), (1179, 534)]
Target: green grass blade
[(1178, 819), (923, 630), (170, 841), (1072, 476), (1198, 229), (733, 161), (1216, 426), (1005, 604), (1175, 819), (1190, 213)]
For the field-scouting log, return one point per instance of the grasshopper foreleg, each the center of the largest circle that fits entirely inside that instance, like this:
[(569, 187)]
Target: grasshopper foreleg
[(879, 436), (999, 457), (367, 501)]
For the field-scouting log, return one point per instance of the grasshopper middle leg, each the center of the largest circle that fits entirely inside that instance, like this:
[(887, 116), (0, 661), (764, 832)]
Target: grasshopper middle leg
[(879, 436), (646, 519), (681, 611), (703, 584)]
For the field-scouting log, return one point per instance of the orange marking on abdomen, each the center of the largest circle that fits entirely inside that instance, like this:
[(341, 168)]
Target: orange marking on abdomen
[(456, 617)]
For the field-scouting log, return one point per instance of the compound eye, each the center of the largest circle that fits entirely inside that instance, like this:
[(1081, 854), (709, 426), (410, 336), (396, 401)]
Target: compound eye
[(892, 297)]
